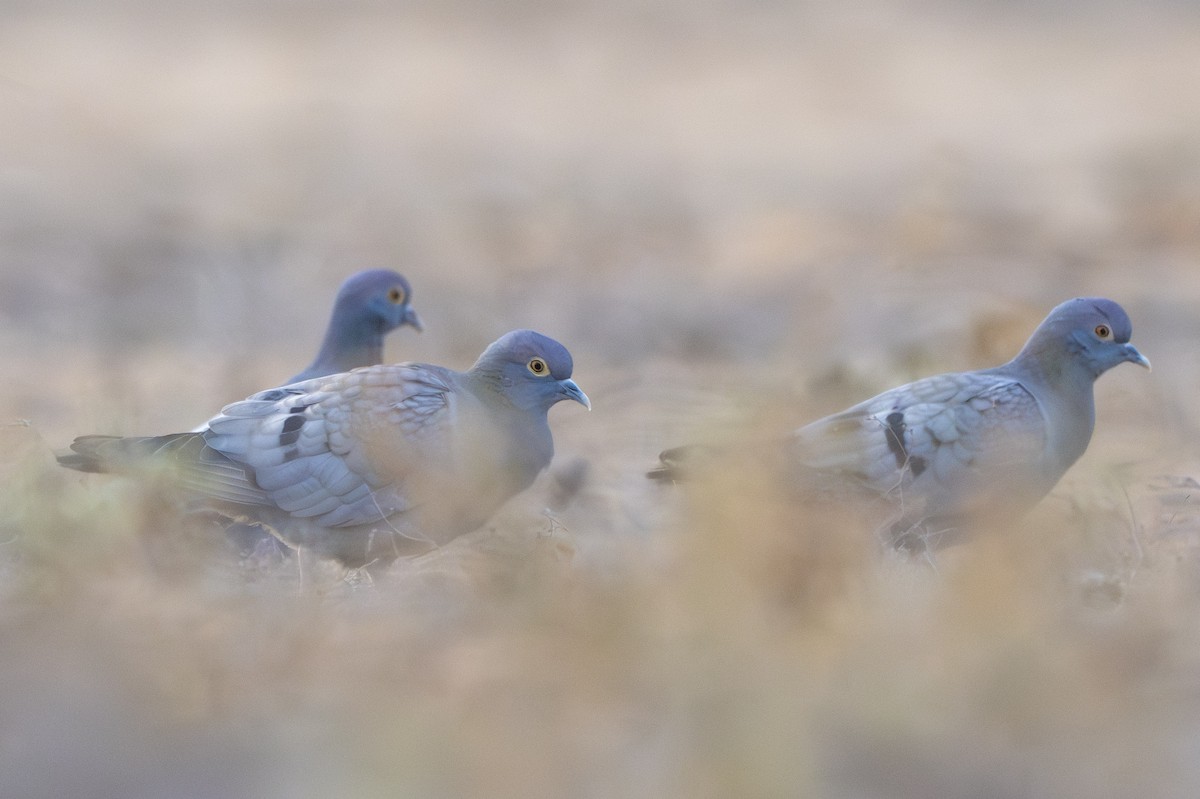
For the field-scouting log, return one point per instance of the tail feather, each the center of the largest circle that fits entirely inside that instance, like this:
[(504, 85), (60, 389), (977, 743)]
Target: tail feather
[(186, 457), (117, 455), (678, 463), (82, 456)]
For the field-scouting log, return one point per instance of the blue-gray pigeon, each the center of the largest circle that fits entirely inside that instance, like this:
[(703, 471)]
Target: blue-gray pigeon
[(928, 459), (358, 466), (369, 305)]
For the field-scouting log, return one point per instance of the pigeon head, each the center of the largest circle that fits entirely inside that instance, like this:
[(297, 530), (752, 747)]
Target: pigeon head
[(378, 301), (1090, 332), (533, 371)]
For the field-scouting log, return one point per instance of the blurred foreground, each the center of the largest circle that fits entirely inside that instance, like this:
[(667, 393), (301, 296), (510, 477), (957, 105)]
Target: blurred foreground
[(738, 218)]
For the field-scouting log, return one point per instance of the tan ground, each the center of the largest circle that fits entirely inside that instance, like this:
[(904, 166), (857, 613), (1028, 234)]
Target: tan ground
[(738, 216)]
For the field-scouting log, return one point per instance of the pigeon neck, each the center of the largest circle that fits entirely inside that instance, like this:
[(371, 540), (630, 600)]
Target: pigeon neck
[(1057, 360), (533, 444), (1061, 382), (492, 386), (350, 342), (504, 394)]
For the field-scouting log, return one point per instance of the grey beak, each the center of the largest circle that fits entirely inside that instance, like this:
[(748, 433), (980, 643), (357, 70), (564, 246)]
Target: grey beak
[(1133, 356), (411, 319), (568, 390)]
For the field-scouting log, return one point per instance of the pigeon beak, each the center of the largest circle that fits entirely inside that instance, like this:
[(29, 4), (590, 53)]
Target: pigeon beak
[(411, 319), (1133, 356), (568, 390)]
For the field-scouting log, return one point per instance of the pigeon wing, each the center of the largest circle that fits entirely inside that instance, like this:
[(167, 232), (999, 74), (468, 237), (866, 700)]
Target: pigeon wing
[(340, 451)]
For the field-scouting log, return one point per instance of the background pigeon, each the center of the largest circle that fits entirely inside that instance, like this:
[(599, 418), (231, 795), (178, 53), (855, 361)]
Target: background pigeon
[(369, 305)]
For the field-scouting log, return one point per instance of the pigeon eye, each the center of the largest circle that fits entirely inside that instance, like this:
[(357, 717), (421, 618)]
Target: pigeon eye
[(1103, 332), (538, 366), (395, 295)]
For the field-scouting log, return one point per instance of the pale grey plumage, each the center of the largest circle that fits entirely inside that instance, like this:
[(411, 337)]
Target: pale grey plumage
[(933, 456), (358, 465)]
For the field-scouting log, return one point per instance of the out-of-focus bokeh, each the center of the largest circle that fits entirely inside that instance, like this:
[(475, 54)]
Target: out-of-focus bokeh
[(738, 216)]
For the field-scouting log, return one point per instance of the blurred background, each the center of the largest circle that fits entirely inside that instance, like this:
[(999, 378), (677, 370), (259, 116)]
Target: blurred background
[(737, 215)]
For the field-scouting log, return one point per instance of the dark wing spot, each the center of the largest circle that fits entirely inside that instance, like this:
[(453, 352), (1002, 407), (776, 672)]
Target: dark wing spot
[(291, 430), (895, 437), (291, 455)]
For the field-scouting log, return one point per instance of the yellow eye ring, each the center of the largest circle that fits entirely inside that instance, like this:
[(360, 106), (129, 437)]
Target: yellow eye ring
[(538, 367), (1103, 332), (395, 295)]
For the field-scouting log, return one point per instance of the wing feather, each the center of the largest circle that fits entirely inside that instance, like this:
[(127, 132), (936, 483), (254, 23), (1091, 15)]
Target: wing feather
[(304, 444), (946, 443)]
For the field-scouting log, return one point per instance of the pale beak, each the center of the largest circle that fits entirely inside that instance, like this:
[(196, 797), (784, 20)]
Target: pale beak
[(568, 390), (1133, 356), (411, 319)]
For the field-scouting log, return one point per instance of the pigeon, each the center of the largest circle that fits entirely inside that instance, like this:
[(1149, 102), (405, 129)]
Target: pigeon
[(363, 465), (369, 305), (928, 459)]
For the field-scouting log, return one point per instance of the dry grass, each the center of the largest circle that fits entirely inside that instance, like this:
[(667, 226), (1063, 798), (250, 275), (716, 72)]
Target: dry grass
[(738, 217)]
